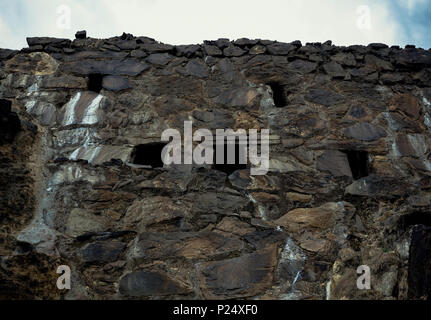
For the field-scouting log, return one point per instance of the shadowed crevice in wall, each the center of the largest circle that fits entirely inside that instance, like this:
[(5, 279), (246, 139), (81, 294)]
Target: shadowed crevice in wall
[(227, 167), (95, 82), (419, 279), (10, 123), (148, 155), (279, 94), (358, 161)]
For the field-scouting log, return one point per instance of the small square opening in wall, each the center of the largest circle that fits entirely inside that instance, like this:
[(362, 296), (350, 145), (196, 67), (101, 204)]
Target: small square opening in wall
[(148, 155), (238, 158), (359, 164), (279, 94), (95, 82)]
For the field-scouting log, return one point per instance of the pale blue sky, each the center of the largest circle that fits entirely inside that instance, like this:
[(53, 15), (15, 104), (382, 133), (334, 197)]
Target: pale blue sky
[(398, 22)]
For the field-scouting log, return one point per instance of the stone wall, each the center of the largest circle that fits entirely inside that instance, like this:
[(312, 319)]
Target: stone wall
[(348, 184)]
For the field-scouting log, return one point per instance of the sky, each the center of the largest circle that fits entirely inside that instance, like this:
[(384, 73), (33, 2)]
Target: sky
[(345, 22)]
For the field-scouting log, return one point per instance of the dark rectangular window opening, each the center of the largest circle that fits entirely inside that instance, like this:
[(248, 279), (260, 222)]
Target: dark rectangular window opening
[(415, 219), (226, 167), (279, 94), (10, 123), (95, 82), (419, 270), (148, 155), (358, 161)]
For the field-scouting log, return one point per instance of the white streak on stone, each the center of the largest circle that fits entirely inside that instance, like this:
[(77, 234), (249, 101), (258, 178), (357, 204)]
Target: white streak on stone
[(328, 289), (75, 154), (95, 154), (427, 121), (260, 209), (30, 105), (298, 275), (293, 256), (427, 109), (426, 102), (418, 143), (76, 137), (292, 252), (34, 88), (395, 150), (69, 115), (427, 165), (90, 115)]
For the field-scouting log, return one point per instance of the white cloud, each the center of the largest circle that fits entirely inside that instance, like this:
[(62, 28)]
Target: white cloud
[(192, 21), (410, 5), (6, 38)]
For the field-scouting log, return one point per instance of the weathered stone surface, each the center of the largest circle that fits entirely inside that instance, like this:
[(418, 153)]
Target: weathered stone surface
[(240, 277), (334, 70), (37, 63), (323, 217), (365, 131), (365, 74), (233, 51), (212, 50), (412, 145), (66, 82), (242, 97), (84, 108), (115, 83), (298, 197), (392, 78), (81, 34), (152, 211), (101, 252), (128, 67), (280, 48), (48, 41), (197, 68), (302, 66), (156, 47), (377, 63), (45, 112), (150, 283), (138, 54), (7, 53), (376, 186), (99, 154), (82, 221), (257, 49), (340, 287), (188, 245), (408, 104), (324, 97), (346, 59), (413, 57), (187, 50), (335, 162), (245, 42), (96, 55), (127, 44), (219, 203), (235, 226), (159, 59)]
